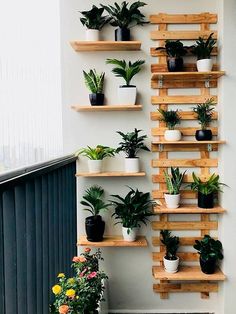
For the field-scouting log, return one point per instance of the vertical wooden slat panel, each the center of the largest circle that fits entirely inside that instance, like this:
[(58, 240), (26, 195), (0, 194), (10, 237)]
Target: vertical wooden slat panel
[(2, 279), (20, 205), (9, 229)]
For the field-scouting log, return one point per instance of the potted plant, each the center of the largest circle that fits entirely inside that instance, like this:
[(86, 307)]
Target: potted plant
[(95, 84), (71, 294), (96, 156), (127, 93), (94, 21), (93, 202), (206, 190), (171, 119), (204, 114), (173, 183), (131, 144), (210, 251), (131, 211), (202, 49), (170, 260), (175, 50), (124, 18)]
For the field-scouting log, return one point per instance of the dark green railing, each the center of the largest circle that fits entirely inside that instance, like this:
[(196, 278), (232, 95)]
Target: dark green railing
[(37, 234)]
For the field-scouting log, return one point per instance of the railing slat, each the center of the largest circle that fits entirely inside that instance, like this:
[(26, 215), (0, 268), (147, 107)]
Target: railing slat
[(2, 280)]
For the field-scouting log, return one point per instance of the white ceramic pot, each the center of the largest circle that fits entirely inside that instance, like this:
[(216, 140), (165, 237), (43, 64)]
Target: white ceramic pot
[(131, 236), (92, 35), (132, 165), (172, 201), (127, 95), (204, 65), (172, 135), (171, 266), (95, 166)]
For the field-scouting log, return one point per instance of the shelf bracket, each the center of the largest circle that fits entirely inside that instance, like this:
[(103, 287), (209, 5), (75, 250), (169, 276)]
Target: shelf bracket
[(209, 147), (160, 81), (161, 148), (207, 83)]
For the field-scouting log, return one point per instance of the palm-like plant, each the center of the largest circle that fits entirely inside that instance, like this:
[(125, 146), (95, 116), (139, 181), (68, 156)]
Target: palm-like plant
[(98, 153), (170, 117), (93, 19), (126, 17), (174, 181), (133, 209), (93, 200), (126, 70), (204, 113), (203, 48), (132, 143), (171, 243), (94, 81)]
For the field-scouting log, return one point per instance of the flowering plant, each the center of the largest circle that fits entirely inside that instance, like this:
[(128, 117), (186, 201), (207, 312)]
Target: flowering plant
[(83, 292)]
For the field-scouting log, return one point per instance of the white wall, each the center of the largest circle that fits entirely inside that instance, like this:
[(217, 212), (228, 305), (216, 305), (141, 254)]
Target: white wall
[(129, 269)]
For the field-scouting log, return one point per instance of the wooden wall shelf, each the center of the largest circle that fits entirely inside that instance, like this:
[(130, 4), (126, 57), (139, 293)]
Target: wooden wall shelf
[(81, 46), (188, 209), (106, 108), (162, 142), (181, 76), (110, 174), (113, 241)]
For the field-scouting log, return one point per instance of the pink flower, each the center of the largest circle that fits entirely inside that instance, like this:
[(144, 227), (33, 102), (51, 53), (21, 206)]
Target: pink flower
[(79, 259), (92, 275), (87, 250)]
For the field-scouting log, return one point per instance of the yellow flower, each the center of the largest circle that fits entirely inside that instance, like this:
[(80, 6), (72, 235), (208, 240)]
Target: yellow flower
[(70, 293), (56, 289), (61, 275), (71, 281), (77, 297)]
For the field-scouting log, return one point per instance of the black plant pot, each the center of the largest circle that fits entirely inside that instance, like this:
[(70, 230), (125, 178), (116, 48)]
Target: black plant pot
[(205, 201), (94, 226), (122, 34), (209, 266), (175, 64), (96, 99), (203, 135)]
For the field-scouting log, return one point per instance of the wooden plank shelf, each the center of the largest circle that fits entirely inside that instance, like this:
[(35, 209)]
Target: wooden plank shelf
[(185, 287), (113, 241), (110, 174), (106, 108), (80, 46), (161, 142), (182, 35), (189, 273), (184, 115), (180, 76), (184, 225), (163, 18), (188, 209), (177, 99)]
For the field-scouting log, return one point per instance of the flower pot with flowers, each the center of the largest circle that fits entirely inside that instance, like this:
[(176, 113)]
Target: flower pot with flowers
[(93, 202), (83, 292), (96, 156), (131, 144), (131, 211)]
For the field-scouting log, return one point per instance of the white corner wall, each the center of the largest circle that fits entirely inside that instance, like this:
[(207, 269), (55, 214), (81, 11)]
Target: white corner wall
[(129, 269)]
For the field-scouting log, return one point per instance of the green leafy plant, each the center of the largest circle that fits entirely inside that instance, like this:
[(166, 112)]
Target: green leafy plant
[(93, 200), (93, 19), (98, 153), (204, 113), (212, 185), (209, 248), (133, 209), (174, 49), (170, 117), (171, 243), (94, 81), (126, 70), (126, 17), (132, 143), (174, 181), (203, 48)]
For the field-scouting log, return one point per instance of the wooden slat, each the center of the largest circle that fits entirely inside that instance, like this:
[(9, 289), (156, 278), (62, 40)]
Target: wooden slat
[(161, 53), (188, 209), (184, 225), (191, 99), (188, 273), (184, 256), (184, 241), (183, 84), (80, 46), (184, 115), (113, 241), (185, 287), (110, 174), (157, 142), (188, 131), (159, 194), (205, 17), (183, 147), (182, 76), (182, 35), (185, 163), (188, 67), (188, 178), (105, 108)]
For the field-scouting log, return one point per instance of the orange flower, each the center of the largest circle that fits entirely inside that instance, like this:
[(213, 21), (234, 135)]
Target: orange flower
[(87, 250), (75, 259), (64, 309), (80, 259)]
